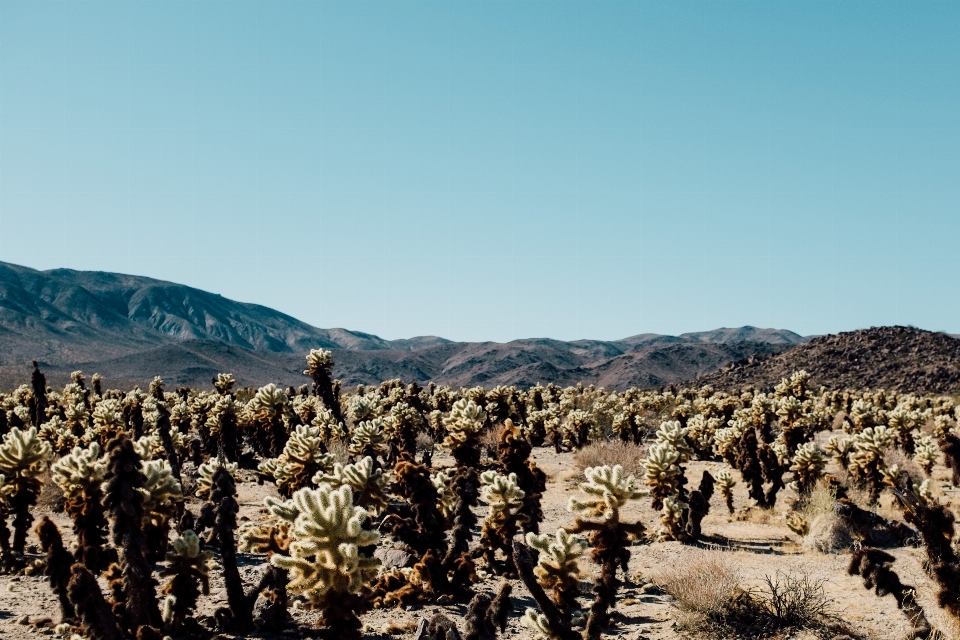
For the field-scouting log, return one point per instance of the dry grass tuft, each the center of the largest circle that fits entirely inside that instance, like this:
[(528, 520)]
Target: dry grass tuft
[(703, 582), (612, 452), (706, 586)]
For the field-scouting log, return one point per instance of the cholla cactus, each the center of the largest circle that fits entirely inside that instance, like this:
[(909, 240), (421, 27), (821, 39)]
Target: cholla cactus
[(328, 425), (59, 435), (579, 425), (149, 446), (807, 465), (797, 523), (78, 471), (926, 453), (608, 490), (265, 412), (840, 448), (367, 482), (671, 518), (23, 457), (161, 495), (701, 433), (190, 571), (300, 460), (325, 561), (504, 499), (205, 475), (368, 439), (108, 420), (727, 439), (224, 383), (558, 569), (866, 461), (79, 475), (675, 435), (726, 483), (320, 367), (464, 424), (446, 499), (663, 473)]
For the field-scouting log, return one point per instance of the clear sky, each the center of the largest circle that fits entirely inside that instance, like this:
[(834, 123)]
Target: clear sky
[(496, 170)]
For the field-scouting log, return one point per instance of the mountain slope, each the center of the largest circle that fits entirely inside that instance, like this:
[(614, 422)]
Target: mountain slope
[(130, 328), (900, 359)]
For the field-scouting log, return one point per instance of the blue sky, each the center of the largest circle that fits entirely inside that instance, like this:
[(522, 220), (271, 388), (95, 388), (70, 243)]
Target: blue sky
[(496, 170)]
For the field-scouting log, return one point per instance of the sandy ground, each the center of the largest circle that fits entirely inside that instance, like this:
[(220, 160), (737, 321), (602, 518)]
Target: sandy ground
[(758, 542)]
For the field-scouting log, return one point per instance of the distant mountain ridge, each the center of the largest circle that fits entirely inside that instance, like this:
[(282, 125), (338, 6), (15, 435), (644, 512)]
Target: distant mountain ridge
[(132, 328)]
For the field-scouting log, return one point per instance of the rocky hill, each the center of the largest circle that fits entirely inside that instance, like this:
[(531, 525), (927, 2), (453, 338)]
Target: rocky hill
[(901, 359), (130, 328)]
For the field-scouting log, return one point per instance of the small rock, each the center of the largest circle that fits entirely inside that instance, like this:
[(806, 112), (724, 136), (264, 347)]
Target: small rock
[(394, 558), (24, 620)]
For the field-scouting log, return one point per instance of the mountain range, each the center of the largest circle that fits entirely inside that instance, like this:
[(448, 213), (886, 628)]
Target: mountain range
[(131, 328)]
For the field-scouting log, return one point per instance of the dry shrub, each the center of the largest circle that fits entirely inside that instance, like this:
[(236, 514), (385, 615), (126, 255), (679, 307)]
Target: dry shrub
[(706, 586), (51, 496), (611, 452), (896, 456), (829, 533)]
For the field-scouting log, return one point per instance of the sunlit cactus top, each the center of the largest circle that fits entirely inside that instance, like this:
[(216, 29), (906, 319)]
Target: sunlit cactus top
[(318, 360), (465, 421), (81, 468), (607, 490), (24, 454)]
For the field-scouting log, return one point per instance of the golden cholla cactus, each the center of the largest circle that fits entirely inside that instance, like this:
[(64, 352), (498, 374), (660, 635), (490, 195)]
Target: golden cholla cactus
[(725, 484), (149, 446), (840, 448), (325, 563), (205, 475), (671, 518), (59, 434), (464, 423), (367, 438), (607, 490), (23, 454), (318, 360), (926, 452), (662, 472), (866, 459), (557, 563), (327, 423), (300, 459), (807, 465), (367, 482), (557, 570), (108, 419), (672, 433), (224, 383), (727, 439), (190, 569), (161, 491), (702, 432), (504, 499), (447, 500), (797, 523), (363, 408), (868, 446), (501, 493), (75, 472)]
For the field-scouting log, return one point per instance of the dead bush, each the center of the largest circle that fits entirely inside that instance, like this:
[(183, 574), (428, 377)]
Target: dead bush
[(703, 582), (612, 452), (712, 602)]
